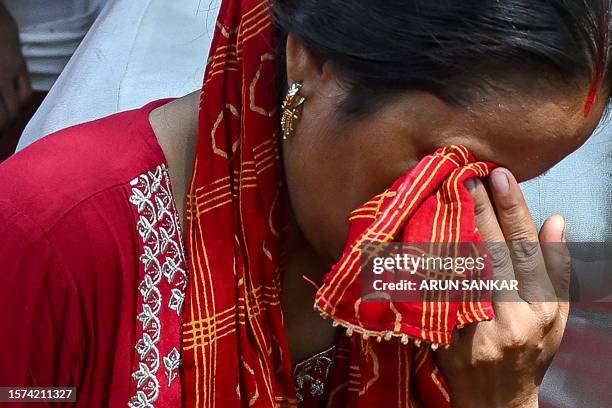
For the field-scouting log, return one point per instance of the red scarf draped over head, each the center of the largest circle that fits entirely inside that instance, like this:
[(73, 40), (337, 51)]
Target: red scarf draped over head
[(235, 351)]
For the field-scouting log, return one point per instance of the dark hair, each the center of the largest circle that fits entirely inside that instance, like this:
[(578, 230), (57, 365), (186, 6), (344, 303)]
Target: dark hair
[(449, 47)]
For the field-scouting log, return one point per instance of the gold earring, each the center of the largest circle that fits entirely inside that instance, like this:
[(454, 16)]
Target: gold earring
[(291, 109)]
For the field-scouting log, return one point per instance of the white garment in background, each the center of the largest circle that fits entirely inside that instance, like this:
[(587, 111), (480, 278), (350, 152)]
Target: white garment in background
[(136, 51), (50, 32)]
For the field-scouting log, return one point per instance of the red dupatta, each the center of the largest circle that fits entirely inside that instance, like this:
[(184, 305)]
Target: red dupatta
[(235, 351)]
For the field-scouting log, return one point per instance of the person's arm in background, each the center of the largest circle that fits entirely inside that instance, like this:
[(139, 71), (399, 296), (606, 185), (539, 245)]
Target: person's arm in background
[(15, 89)]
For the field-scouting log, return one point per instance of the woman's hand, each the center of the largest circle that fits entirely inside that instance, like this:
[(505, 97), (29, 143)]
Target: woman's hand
[(501, 363), (15, 89)]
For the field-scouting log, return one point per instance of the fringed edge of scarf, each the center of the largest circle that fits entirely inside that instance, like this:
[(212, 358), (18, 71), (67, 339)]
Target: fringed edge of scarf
[(379, 336)]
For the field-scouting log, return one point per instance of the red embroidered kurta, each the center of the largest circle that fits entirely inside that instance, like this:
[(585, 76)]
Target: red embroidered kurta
[(91, 262)]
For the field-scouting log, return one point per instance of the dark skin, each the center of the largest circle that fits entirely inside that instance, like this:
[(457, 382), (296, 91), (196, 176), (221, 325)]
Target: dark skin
[(15, 89), (334, 165), (341, 162)]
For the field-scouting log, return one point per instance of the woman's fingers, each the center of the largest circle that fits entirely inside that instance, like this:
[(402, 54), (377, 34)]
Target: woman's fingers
[(557, 259), (486, 220), (512, 212), (522, 238), (492, 235), (558, 264)]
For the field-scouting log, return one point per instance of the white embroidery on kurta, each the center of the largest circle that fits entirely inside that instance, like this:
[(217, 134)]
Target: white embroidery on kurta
[(163, 256), (172, 362), (176, 301)]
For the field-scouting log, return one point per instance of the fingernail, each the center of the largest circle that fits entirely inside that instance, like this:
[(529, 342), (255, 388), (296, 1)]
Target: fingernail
[(564, 230), (499, 181), (471, 186)]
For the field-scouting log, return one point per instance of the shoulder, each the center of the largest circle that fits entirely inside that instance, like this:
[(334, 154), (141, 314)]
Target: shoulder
[(55, 174)]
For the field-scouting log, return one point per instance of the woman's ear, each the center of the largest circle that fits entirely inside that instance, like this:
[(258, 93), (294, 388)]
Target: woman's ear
[(303, 66)]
